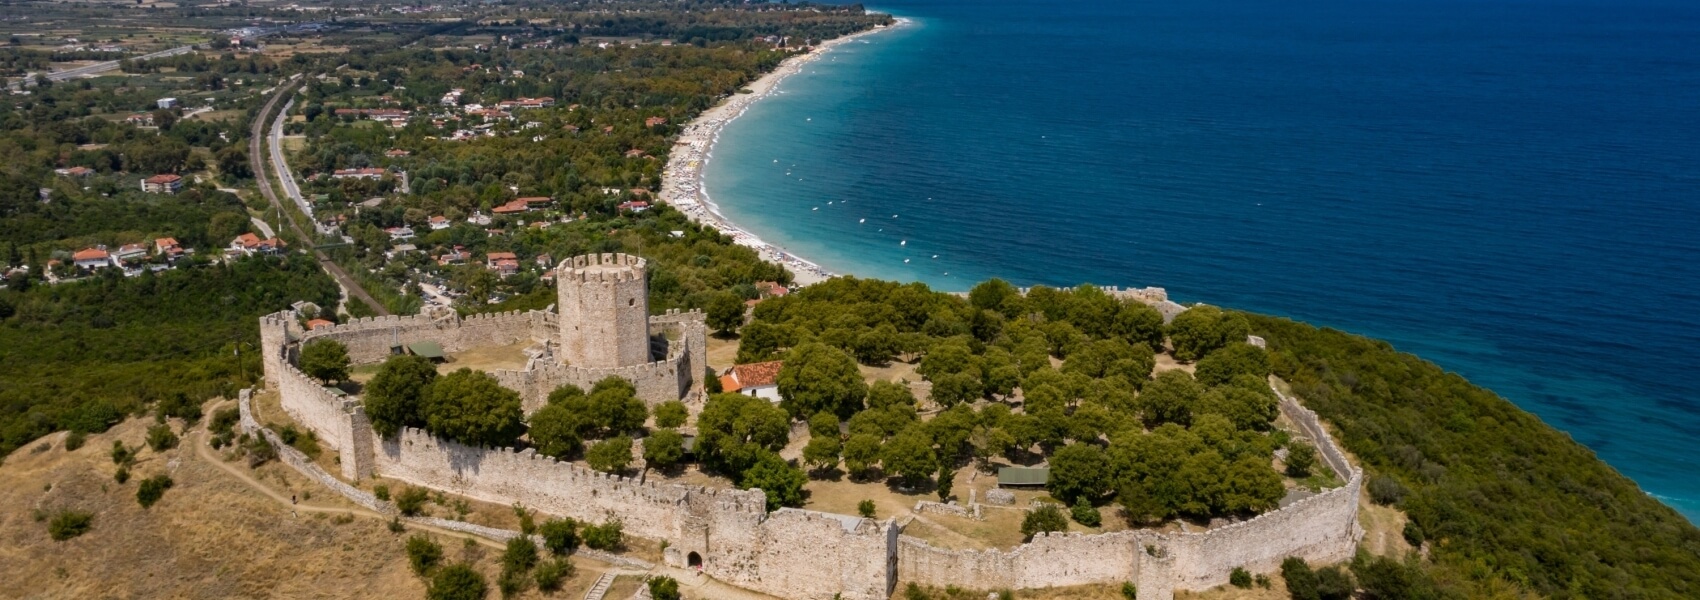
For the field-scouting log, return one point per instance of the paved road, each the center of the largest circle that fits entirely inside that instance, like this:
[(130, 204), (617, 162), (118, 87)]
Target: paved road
[(87, 70), (255, 152), (263, 227)]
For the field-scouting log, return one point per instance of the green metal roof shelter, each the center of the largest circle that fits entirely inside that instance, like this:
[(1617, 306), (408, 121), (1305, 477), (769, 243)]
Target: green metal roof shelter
[(431, 350), (1023, 476)]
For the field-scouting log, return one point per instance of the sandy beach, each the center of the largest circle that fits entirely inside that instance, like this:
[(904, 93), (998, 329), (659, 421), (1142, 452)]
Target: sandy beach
[(682, 181)]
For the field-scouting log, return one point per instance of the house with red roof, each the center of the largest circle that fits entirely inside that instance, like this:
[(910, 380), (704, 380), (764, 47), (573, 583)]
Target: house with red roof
[(514, 207), (755, 379), (92, 258), (164, 183), (503, 263), (249, 244), (168, 248)]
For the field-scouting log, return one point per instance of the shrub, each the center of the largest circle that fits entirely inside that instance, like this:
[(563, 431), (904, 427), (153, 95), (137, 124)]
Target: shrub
[(122, 455), (1413, 533), (1240, 578), (663, 588), (914, 592), (1301, 458), (259, 451), (396, 526), (1043, 519), (457, 582), (74, 440), (224, 420), (122, 476), (672, 414), (510, 583), (423, 554), (1385, 490), (664, 448), (611, 455), (520, 556), (325, 360), (1334, 583), (527, 524), (67, 524), (1301, 580), (560, 536), (1129, 591), (549, 574), (160, 438), (411, 501), (152, 489), (381, 492), (1263, 581), (1086, 514), (606, 536), (865, 508)]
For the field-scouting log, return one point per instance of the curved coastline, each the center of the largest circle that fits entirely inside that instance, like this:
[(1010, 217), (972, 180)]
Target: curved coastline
[(682, 180)]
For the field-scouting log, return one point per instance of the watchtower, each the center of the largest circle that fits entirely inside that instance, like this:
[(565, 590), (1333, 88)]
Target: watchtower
[(604, 310)]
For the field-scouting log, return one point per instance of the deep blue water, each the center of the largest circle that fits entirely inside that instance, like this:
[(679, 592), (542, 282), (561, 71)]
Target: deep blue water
[(1508, 188)]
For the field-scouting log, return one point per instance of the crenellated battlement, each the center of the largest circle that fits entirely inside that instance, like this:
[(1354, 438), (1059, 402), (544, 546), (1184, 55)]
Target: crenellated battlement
[(602, 268)]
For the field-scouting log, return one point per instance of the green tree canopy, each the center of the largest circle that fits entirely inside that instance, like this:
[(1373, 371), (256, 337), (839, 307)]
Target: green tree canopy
[(1078, 473), (724, 312), (394, 395), (909, 455), (1170, 398), (472, 408), (458, 581), (1230, 361), (611, 455), (782, 482), (734, 429), (663, 448), (670, 414), (325, 360), (1202, 329), (819, 378), (1046, 518)]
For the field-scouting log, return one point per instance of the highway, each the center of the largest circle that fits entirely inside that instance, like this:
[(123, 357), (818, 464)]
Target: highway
[(275, 140), (87, 70)]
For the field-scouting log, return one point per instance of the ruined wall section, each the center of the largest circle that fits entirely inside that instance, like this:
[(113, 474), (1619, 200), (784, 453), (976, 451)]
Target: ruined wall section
[(656, 382), (1049, 560), (692, 336), (503, 476)]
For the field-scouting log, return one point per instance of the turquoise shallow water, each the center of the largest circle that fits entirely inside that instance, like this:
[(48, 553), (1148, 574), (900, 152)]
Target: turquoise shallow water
[(1506, 188)]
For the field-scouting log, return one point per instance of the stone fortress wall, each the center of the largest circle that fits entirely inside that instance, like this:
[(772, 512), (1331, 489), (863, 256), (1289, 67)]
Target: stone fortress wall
[(1320, 528), (789, 553)]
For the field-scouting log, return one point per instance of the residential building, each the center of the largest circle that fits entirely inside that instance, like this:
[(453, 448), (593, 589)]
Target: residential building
[(164, 183), (166, 103), (168, 248), (400, 233), (249, 244), (439, 222), (514, 207), (75, 172), (367, 173), (92, 258), (755, 379), (503, 263), (140, 120), (130, 253)]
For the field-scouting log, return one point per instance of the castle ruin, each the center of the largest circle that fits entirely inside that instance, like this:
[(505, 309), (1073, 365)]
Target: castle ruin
[(602, 328)]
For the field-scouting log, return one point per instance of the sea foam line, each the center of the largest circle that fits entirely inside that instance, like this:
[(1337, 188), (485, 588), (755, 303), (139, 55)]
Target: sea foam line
[(682, 183)]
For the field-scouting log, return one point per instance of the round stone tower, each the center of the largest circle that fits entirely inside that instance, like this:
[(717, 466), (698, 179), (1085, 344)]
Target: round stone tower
[(604, 310)]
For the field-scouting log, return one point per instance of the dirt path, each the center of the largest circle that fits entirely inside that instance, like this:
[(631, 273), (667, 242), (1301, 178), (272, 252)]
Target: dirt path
[(204, 452)]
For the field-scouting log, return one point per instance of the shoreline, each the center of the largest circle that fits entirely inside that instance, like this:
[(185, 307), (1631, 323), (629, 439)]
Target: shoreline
[(682, 178)]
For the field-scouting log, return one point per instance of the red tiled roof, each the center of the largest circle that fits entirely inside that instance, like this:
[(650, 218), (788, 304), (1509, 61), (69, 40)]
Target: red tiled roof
[(757, 374), (317, 323), (163, 178), (728, 383), (89, 254)]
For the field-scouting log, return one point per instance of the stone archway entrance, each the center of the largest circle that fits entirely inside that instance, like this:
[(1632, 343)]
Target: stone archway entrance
[(694, 560)]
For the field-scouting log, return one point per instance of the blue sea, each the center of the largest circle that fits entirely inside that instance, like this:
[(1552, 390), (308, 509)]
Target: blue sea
[(1508, 188)]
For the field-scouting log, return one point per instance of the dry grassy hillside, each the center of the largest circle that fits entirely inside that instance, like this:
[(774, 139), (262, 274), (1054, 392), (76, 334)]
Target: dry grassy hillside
[(213, 535)]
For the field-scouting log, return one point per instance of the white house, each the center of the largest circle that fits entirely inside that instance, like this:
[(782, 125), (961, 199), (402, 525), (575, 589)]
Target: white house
[(756, 379)]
